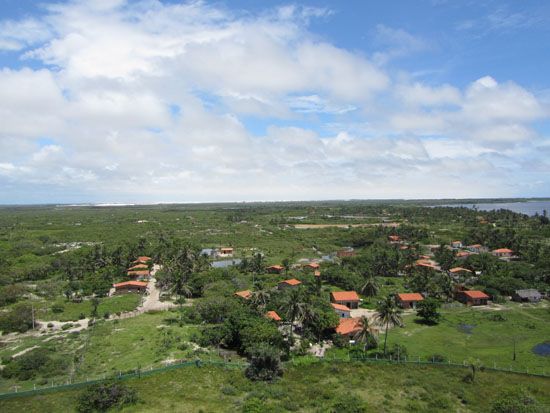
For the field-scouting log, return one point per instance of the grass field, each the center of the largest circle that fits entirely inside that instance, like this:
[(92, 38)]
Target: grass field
[(316, 388)]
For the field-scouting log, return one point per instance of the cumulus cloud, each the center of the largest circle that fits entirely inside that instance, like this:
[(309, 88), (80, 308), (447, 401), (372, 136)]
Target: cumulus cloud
[(149, 101)]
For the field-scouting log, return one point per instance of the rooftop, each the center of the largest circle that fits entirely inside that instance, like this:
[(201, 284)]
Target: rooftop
[(410, 297), (344, 296)]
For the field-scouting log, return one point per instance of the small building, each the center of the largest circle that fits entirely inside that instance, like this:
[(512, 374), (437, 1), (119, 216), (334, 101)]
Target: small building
[(246, 294), (472, 297), (342, 310), (427, 263), (141, 275), (348, 326), (275, 269), (130, 287), (225, 252), (292, 283), (317, 273), (394, 239), (476, 248), (348, 298), (462, 255), (409, 300), (503, 253), (456, 244), (529, 295), (458, 270), (209, 252), (273, 316), (142, 260), (312, 265)]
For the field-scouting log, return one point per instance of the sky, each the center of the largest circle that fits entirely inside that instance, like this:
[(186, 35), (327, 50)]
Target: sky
[(244, 100)]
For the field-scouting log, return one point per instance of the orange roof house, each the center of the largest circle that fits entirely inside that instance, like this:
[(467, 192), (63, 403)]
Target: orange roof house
[(394, 238), (139, 274), (457, 270), (293, 282), (312, 265), (142, 260), (409, 300), (348, 298), (130, 286), (317, 273), (275, 269), (463, 254), (246, 294), (342, 310), (503, 252), (348, 326), (472, 297), (273, 315)]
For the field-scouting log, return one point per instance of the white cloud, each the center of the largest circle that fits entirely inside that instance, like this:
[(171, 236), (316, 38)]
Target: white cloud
[(159, 96)]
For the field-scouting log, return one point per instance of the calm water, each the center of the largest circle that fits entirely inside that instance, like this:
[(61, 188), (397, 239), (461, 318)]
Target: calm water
[(528, 208)]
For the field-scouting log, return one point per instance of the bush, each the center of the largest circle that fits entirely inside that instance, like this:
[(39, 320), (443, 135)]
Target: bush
[(103, 396), (106, 315), (58, 308), (265, 364), (67, 326), (515, 401), (82, 316), (19, 319), (348, 404), (28, 365), (437, 358)]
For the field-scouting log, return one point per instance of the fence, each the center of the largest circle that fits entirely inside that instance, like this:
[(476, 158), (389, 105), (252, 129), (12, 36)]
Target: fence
[(303, 361)]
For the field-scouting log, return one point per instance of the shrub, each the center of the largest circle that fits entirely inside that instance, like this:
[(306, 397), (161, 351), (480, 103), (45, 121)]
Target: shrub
[(28, 365), (437, 358), (103, 396), (67, 326), (57, 308), (106, 315), (348, 404), (82, 316), (265, 364), (515, 401), (49, 325), (19, 319)]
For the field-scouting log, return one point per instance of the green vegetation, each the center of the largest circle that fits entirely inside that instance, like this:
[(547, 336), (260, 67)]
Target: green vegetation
[(319, 387)]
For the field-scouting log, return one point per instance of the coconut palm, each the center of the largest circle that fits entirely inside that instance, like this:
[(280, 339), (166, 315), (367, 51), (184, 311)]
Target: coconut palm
[(293, 308), (370, 288), (388, 313), (367, 334), (260, 298)]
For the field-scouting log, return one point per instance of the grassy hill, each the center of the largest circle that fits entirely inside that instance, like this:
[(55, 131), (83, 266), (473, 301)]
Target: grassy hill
[(316, 388)]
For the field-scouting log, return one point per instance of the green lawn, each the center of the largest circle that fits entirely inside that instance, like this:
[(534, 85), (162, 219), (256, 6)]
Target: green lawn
[(490, 341), (72, 311), (316, 388)]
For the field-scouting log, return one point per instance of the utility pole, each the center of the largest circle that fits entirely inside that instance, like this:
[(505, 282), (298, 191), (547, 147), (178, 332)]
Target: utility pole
[(32, 311)]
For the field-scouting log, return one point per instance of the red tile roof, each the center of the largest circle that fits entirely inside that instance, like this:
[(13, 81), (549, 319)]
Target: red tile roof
[(317, 273), (394, 237), (246, 294), (313, 265), (503, 251), (410, 297), (348, 326), (292, 281), (459, 269), (463, 254), (339, 307), (344, 296), (129, 283), (273, 315), (475, 294), (276, 267), (142, 260)]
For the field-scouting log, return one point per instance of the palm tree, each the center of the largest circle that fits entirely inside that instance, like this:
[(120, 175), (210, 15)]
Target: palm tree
[(366, 334), (370, 288), (388, 313), (260, 298), (293, 308)]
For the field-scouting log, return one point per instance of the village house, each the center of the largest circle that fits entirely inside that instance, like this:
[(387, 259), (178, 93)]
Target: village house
[(459, 270), (130, 287), (529, 295), (505, 253), (409, 300), (225, 252), (275, 269), (427, 263), (394, 239), (312, 265), (142, 260), (274, 316), (348, 298), (317, 273), (456, 245), (476, 248), (462, 255), (472, 297), (341, 310), (140, 275), (348, 326), (292, 283), (246, 294)]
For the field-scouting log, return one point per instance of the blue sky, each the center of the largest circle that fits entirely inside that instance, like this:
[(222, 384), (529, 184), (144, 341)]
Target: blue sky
[(150, 101)]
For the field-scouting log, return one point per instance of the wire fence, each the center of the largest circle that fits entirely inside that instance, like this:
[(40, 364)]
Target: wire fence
[(303, 361)]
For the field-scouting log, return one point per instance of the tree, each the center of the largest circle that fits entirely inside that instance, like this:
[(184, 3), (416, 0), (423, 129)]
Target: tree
[(427, 311), (260, 298), (388, 313), (444, 256), (474, 364), (366, 335), (265, 364), (293, 308), (370, 288), (19, 319), (95, 303)]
